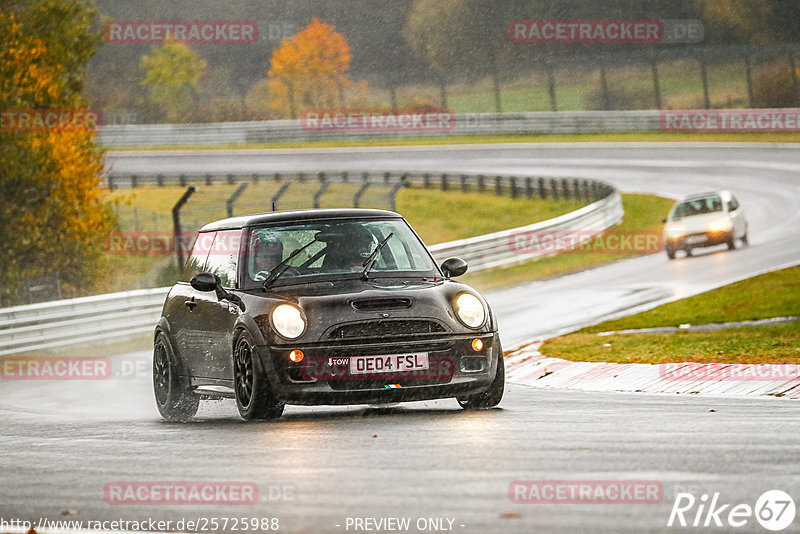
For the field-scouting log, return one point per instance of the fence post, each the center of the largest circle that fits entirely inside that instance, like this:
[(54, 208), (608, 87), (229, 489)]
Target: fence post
[(279, 194), (542, 189), (553, 189), (551, 87), (133, 180), (426, 181), (463, 183), (528, 187), (704, 78), (513, 183), (604, 86), (656, 85), (321, 190), (236, 194), (160, 180), (395, 189), (176, 224), (361, 190), (498, 185), (444, 182), (481, 183), (748, 72)]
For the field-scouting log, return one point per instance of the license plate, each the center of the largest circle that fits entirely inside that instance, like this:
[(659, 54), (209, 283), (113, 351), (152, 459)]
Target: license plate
[(392, 363), (696, 239)]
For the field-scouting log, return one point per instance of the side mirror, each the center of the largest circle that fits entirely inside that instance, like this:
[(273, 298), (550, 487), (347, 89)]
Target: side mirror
[(205, 282), (664, 220), (212, 282), (454, 267)]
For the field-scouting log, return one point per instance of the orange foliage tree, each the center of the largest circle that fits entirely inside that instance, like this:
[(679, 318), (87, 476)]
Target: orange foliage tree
[(308, 70), (52, 217)]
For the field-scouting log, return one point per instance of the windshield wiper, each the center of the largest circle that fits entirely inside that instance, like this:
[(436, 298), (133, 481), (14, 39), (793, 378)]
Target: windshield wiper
[(282, 266), (373, 257)]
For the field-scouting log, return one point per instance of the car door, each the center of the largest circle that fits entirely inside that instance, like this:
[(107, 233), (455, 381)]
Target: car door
[(736, 213), (220, 315), (192, 310)]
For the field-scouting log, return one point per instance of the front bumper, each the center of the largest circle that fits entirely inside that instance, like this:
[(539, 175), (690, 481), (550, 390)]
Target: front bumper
[(697, 240), (323, 376)]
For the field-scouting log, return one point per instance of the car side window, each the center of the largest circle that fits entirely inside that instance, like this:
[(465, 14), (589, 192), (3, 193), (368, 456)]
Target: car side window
[(224, 255), (732, 204), (196, 263)]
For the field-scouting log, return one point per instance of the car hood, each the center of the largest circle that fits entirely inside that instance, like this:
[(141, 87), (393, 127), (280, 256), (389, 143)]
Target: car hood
[(330, 305)]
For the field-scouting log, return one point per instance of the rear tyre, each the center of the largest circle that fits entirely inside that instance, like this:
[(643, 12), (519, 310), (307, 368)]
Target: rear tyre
[(254, 397), (670, 253), (732, 242), (492, 396), (174, 396), (744, 238)]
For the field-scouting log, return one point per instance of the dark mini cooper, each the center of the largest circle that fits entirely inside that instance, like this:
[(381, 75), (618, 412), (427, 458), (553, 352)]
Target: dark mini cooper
[(322, 307)]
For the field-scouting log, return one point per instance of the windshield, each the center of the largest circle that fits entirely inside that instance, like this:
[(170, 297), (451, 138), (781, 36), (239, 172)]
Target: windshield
[(338, 249), (698, 206)]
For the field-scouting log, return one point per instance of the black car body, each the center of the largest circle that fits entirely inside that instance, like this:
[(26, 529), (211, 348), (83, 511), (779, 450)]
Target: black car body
[(321, 307)]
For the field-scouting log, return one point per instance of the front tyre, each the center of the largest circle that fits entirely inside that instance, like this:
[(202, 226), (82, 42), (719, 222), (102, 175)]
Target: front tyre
[(254, 397), (494, 393), (174, 396)]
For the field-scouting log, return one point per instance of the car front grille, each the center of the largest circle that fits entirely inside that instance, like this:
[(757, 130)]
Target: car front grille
[(387, 328)]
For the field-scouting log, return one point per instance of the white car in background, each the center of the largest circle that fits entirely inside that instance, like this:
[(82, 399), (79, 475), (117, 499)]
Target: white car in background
[(704, 220)]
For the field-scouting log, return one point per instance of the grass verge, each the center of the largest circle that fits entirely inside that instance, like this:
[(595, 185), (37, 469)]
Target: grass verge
[(643, 214), (772, 294), (438, 216)]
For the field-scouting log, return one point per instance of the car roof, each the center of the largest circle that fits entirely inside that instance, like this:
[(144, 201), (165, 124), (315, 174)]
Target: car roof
[(256, 219)]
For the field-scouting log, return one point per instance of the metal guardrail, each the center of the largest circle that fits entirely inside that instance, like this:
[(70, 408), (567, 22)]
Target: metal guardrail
[(101, 317), (240, 133), (497, 250), (81, 320)]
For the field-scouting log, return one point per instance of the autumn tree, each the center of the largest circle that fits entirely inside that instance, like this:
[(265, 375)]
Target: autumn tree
[(52, 218), (308, 70), (172, 74)]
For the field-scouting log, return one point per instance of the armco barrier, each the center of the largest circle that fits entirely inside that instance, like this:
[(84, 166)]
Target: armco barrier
[(101, 317), (240, 133)]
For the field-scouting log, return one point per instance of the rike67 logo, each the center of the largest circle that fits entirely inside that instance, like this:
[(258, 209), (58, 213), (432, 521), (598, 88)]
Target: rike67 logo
[(774, 510)]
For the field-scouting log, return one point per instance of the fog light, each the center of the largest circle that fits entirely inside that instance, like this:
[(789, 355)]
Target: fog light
[(477, 344), (296, 355)]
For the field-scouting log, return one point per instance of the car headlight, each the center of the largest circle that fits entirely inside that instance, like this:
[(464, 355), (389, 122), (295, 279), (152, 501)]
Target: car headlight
[(288, 321), (675, 231), (720, 225), (470, 310)]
